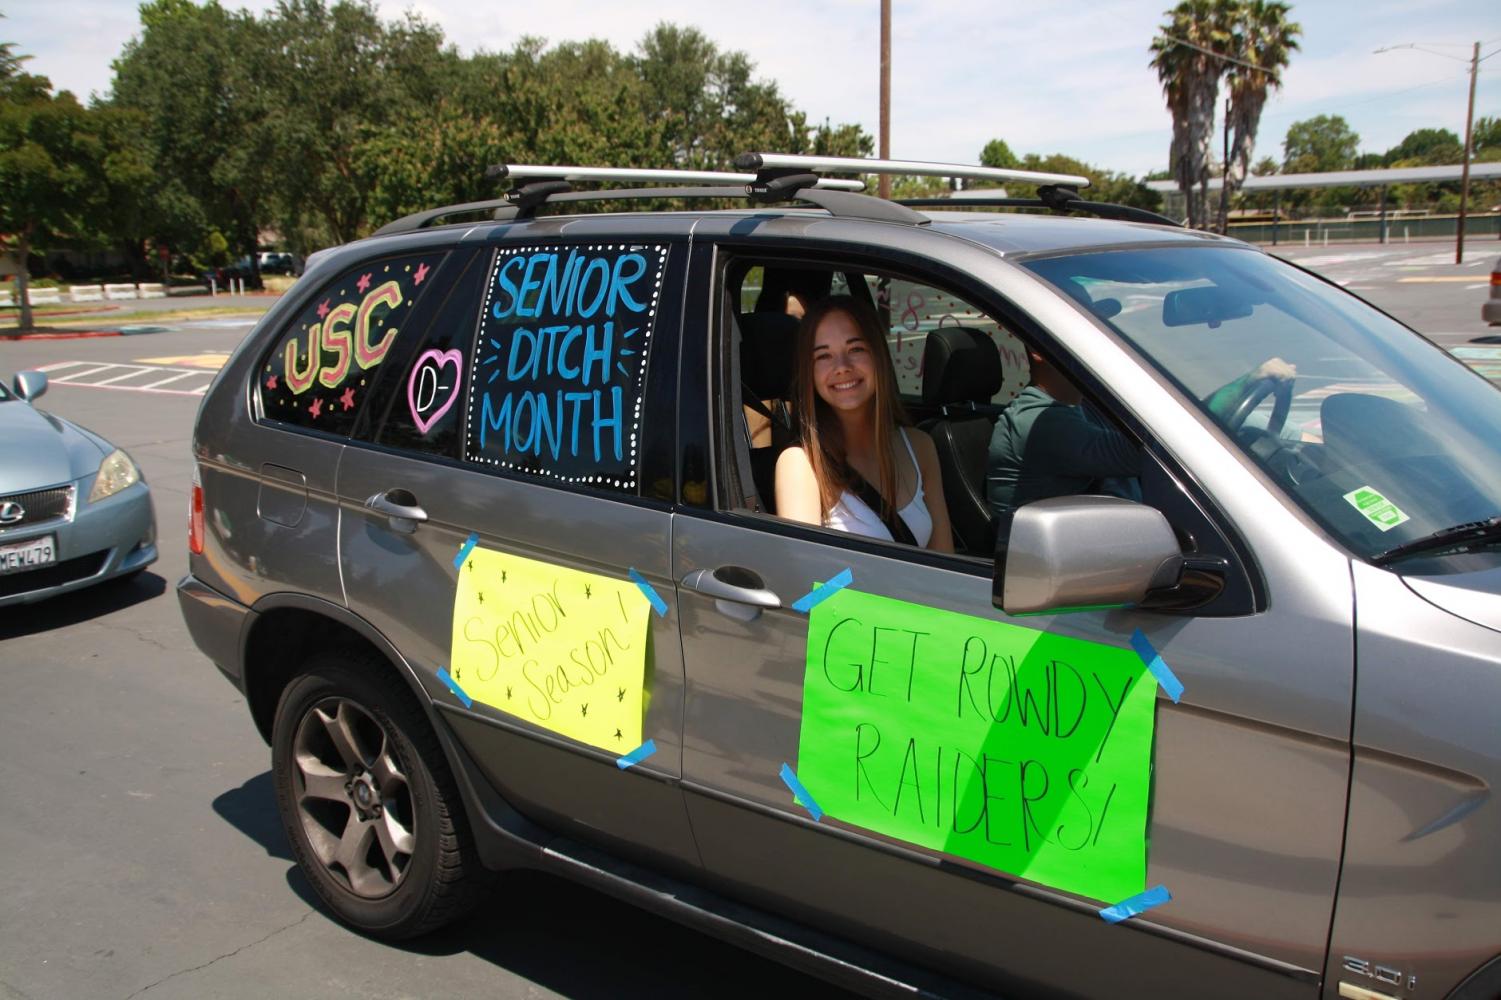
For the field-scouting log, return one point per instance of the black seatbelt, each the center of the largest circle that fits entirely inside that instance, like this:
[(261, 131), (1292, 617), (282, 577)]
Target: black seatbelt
[(872, 498)]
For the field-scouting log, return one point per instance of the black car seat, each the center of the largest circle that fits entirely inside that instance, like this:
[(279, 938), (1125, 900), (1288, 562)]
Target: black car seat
[(766, 355), (961, 372)]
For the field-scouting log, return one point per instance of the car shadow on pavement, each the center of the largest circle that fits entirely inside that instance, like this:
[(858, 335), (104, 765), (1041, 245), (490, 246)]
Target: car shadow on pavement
[(583, 944), (79, 606), (251, 809)]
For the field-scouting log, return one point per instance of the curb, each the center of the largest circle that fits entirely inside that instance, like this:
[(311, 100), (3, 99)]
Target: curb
[(79, 335)]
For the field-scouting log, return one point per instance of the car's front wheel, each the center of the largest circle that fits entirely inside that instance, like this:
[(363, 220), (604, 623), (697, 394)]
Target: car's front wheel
[(368, 803)]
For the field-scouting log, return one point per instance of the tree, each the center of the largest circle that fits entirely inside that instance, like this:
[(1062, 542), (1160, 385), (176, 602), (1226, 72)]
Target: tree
[(49, 166), (1263, 39), (997, 154), (1426, 146), (1317, 144), (205, 115), (1183, 55), (327, 77), (1485, 137)]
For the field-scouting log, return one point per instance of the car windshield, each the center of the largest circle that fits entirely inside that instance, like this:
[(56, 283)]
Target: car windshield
[(4, 393), (1381, 436)]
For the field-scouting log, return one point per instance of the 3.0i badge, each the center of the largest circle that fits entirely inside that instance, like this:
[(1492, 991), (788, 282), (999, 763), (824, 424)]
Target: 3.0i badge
[(1380, 973)]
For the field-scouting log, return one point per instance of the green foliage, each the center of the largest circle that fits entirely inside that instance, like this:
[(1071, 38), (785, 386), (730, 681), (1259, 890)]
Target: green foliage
[(324, 120), (50, 164), (997, 154), (1424, 147), (1485, 136), (1321, 143)]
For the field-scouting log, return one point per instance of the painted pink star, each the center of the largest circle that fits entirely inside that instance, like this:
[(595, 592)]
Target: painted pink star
[(323, 309), (421, 273), (271, 382), (363, 284), (315, 409), (348, 398)]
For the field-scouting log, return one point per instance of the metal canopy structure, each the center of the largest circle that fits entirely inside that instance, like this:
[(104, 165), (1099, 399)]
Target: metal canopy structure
[(1352, 178), (1382, 179)]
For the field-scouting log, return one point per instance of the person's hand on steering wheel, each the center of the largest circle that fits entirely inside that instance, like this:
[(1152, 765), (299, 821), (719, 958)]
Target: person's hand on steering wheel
[(1273, 377)]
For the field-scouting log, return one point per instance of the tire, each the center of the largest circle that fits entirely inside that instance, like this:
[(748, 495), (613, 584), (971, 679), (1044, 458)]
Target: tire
[(369, 806)]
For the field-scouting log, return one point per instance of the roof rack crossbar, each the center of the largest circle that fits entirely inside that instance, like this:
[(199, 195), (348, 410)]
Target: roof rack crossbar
[(563, 172), (911, 168), (1100, 209)]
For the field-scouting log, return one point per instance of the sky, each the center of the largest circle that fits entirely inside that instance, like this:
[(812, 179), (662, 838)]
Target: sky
[(1065, 76)]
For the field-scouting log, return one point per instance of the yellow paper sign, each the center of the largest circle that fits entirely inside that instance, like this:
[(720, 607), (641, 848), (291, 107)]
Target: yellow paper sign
[(558, 647)]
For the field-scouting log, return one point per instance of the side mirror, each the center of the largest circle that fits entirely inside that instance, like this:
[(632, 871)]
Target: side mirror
[(1079, 552), (30, 385)]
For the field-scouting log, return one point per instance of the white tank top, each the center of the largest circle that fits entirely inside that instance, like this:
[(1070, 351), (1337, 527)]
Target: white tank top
[(855, 516)]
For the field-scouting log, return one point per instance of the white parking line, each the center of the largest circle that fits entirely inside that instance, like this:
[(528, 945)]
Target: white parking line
[(134, 371), (91, 371), (170, 378), (118, 376)]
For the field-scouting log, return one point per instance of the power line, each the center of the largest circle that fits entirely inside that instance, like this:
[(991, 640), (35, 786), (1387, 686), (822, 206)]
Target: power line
[(1221, 56)]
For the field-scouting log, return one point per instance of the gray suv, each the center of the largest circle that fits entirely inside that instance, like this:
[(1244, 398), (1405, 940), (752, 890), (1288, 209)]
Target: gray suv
[(483, 527)]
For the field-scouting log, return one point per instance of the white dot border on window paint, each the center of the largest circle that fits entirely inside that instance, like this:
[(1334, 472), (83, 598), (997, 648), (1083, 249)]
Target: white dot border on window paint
[(631, 479)]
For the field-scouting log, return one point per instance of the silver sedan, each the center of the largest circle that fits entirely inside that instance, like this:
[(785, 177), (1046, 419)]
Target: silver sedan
[(74, 509)]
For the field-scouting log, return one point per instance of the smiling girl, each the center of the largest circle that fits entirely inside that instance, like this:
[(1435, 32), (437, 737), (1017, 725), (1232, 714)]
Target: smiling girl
[(858, 467)]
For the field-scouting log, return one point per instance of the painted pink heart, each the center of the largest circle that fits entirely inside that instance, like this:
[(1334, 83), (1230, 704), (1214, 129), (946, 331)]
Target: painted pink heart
[(430, 366)]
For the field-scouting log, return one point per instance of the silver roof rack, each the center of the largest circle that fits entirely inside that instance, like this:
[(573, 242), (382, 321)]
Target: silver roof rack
[(533, 172), (911, 168)]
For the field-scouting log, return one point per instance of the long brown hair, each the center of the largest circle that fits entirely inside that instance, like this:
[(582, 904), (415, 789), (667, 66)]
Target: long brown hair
[(821, 435)]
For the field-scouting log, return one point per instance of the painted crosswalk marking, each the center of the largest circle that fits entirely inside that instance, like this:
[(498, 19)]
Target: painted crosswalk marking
[(130, 377)]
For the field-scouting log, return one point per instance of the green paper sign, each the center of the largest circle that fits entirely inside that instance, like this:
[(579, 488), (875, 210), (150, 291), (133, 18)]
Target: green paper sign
[(1023, 751)]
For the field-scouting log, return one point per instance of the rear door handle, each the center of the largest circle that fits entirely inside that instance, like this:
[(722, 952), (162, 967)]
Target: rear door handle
[(401, 509), (738, 593)]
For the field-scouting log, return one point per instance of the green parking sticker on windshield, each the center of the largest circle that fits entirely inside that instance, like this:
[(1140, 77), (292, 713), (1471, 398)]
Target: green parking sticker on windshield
[(1377, 509), (1027, 752)]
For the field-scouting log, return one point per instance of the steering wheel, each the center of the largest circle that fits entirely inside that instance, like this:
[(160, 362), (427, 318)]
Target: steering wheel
[(1281, 389)]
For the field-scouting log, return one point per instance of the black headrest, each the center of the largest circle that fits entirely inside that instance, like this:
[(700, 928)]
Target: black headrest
[(766, 353), (959, 365)]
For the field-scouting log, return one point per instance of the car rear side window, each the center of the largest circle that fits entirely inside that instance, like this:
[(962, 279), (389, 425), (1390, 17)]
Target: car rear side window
[(323, 366), (555, 380)]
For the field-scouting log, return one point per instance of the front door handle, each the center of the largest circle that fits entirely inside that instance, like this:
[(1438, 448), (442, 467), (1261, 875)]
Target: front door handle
[(738, 593), (401, 509)]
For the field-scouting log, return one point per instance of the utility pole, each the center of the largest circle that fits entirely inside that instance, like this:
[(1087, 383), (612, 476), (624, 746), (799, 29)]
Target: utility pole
[(883, 186), (1464, 182)]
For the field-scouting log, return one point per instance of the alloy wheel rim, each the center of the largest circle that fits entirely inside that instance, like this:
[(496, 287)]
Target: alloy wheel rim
[(353, 798)]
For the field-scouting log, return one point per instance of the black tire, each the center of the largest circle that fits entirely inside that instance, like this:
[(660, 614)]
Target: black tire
[(395, 858)]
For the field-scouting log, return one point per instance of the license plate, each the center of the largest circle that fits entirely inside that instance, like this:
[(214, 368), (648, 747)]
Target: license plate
[(21, 556)]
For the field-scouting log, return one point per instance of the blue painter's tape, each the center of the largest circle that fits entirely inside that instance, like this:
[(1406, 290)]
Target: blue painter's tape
[(1157, 665), (824, 591), (453, 686), (465, 549), (650, 592), (789, 778), (637, 755), (1136, 905)]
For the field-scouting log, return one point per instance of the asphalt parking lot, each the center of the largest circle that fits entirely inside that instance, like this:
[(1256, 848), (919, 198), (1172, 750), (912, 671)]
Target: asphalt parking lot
[(144, 855)]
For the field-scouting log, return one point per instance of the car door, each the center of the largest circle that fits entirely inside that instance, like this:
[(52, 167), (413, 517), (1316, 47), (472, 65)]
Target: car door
[(1240, 799), (494, 529)]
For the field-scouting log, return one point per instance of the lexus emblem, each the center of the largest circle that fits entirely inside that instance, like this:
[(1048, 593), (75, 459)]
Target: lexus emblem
[(12, 512)]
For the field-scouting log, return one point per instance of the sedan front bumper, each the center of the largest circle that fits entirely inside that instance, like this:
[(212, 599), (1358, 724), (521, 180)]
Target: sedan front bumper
[(114, 537)]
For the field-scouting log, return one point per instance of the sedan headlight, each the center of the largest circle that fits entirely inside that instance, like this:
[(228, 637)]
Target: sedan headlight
[(116, 472)]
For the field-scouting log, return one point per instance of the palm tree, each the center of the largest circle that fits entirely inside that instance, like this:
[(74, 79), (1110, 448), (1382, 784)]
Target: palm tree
[(1186, 57), (1264, 40)]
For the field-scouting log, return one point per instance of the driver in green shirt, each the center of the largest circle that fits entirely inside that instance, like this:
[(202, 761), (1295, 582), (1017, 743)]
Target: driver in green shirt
[(1049, 443)]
